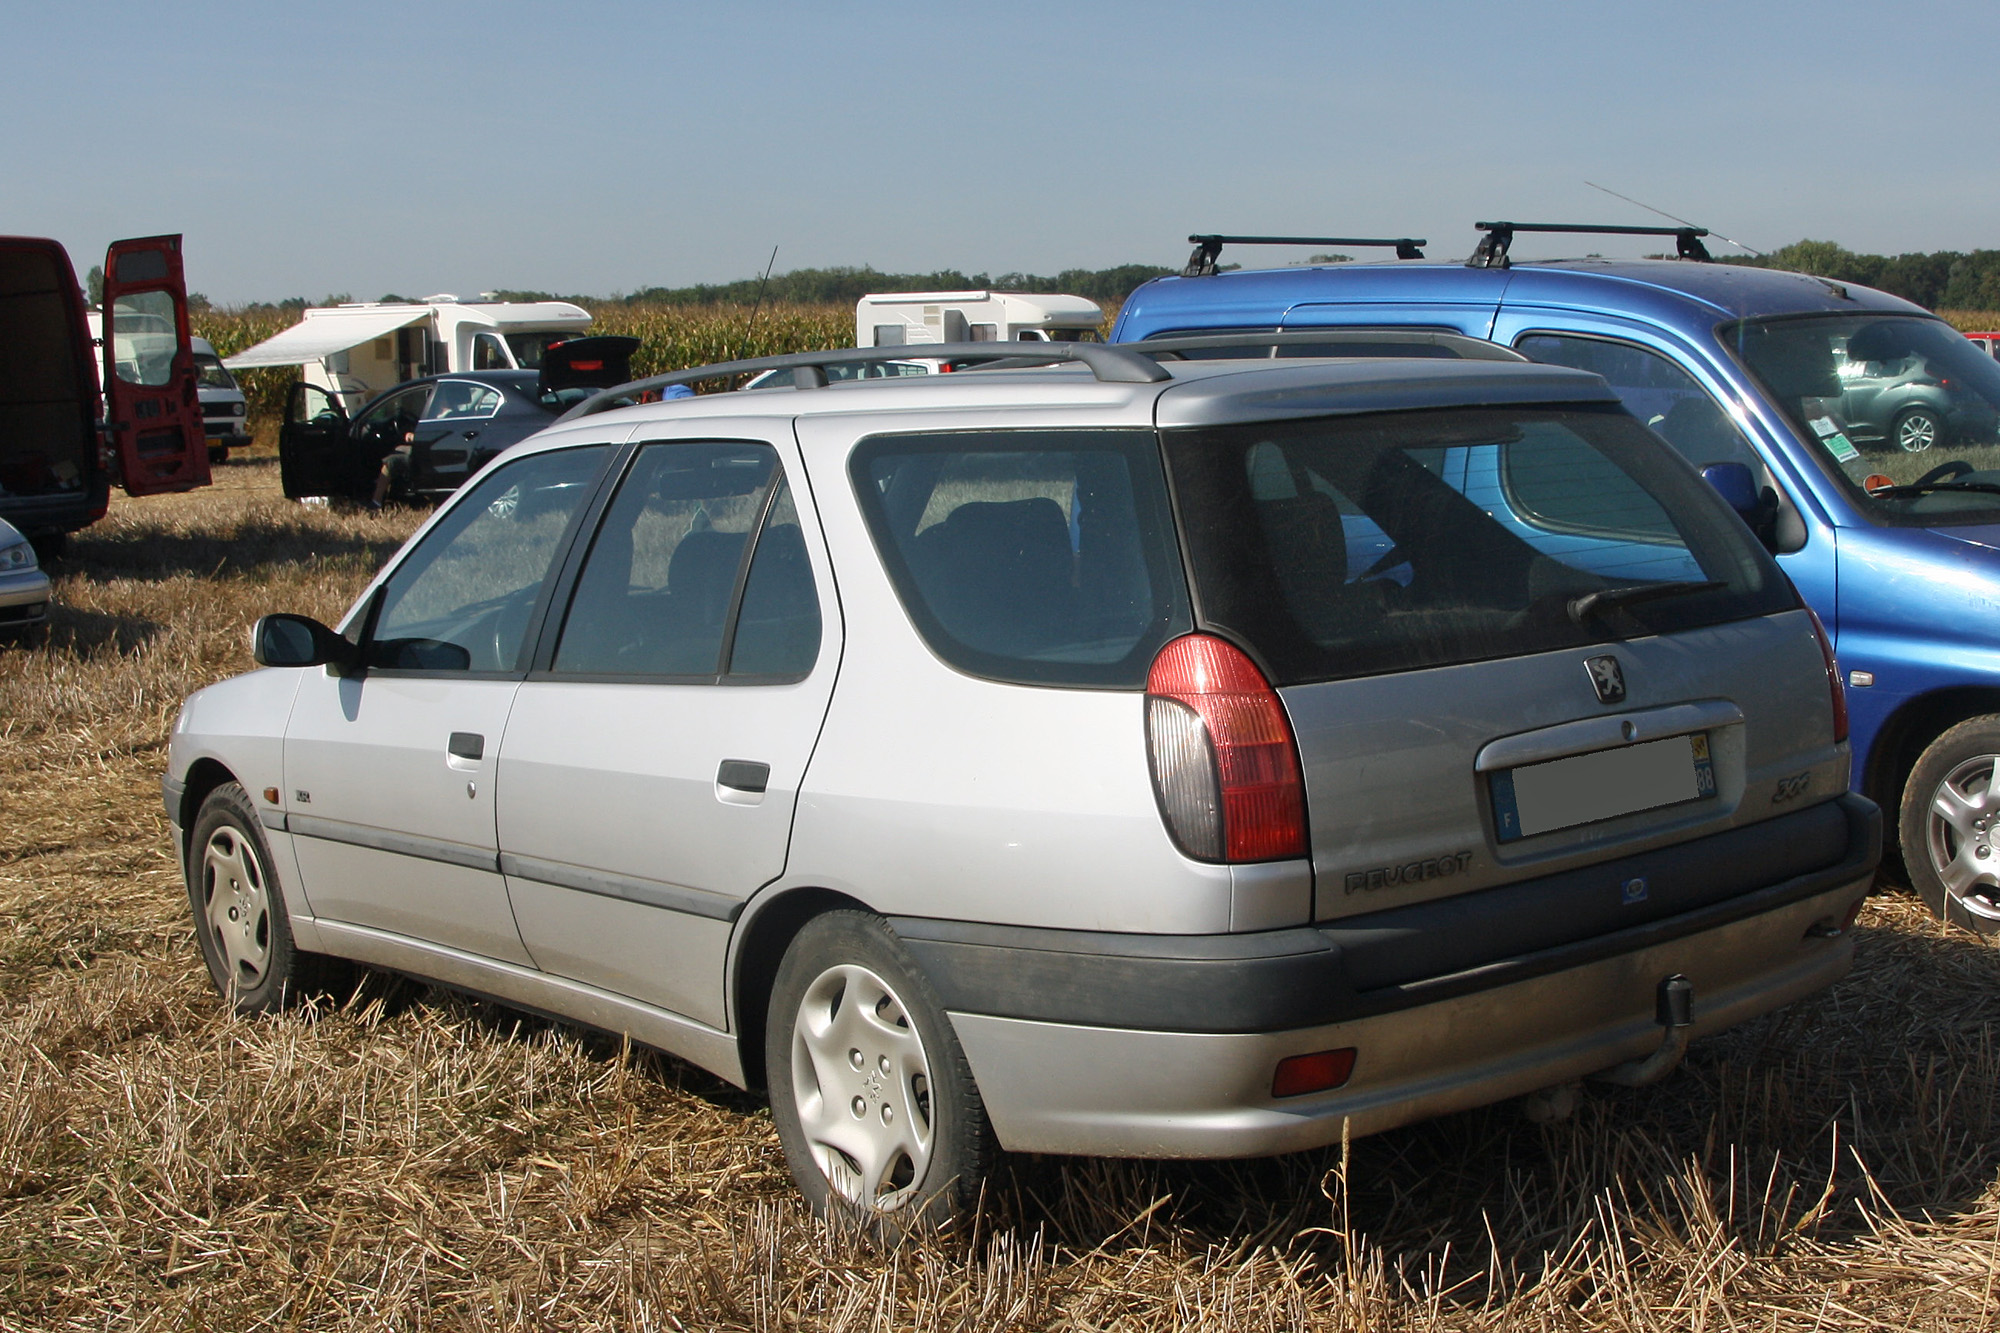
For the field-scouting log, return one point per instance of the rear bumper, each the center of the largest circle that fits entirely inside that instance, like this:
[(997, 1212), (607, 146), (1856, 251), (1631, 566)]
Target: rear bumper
[(1166, 1046)]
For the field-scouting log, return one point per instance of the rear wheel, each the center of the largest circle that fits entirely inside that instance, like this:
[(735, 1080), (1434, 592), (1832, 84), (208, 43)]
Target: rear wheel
[(1917, 430), (239, 911), (873, 1099), (1949, 825)]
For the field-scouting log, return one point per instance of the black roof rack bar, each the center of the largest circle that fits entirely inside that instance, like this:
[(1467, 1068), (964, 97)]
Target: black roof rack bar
[(1207, 249), (1176, 346), (1493, 246), (1111, 364)]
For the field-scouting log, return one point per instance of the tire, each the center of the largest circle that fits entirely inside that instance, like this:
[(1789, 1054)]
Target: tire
[(875, 1105), (1951, 815), (239, 912), (1917, 430)]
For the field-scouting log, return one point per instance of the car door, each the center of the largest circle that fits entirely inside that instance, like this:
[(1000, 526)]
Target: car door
[(444, 441), (651, 765), (389, 771), (312, 443), (151, 402)]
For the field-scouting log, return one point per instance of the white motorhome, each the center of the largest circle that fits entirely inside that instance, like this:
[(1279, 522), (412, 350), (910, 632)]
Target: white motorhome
[(356, 351), (896, 319)]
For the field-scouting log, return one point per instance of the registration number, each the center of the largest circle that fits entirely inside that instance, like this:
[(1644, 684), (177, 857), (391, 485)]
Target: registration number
[(1587, 788)]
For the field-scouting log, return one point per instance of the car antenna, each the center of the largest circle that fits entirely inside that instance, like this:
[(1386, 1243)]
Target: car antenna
[(759, 303), (1683, 221)]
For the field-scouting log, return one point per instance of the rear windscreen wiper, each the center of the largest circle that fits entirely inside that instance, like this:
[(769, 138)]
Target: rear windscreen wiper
[(1605, 599), (1926, 487)]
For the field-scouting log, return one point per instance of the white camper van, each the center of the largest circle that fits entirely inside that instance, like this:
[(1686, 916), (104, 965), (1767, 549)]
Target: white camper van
[(356, 351), (896, 319)]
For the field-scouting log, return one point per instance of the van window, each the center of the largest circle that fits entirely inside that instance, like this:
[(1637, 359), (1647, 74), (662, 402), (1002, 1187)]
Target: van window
[(211, 373), (1043, 557), (489, 353), (1353, 546), (1653, 389)]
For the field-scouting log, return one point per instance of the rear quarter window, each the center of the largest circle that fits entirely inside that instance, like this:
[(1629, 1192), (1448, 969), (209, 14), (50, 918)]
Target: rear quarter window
[(1039, 557)]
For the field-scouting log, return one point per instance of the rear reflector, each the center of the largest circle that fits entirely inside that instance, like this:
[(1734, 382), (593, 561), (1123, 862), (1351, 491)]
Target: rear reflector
[(1832, 678), (1225, 768), (1298, 1075)]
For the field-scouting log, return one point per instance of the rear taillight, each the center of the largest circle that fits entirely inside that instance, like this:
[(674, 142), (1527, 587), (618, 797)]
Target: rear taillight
[(1832, 678), (1225, 768)]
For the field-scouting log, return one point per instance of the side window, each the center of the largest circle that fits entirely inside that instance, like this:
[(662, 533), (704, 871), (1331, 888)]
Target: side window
[(662, 579), (462, 600), (1653, 389), (398, 411), (1045, 557), (489, 353), (462, 400)]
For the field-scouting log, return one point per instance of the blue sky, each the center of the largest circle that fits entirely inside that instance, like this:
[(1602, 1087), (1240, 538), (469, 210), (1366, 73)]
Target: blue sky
[(598, 147)]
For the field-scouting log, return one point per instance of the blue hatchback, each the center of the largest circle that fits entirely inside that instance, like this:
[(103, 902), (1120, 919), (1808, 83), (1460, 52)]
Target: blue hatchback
[(1858, 433)]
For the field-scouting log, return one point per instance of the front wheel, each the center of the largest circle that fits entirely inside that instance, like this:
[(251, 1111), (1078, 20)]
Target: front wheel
[(1917, 430), (874, 1102), (1949, 825), (239, 911)]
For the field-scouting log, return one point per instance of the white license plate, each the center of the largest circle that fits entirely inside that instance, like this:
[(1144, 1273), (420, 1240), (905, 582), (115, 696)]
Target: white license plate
[(1586, 788)]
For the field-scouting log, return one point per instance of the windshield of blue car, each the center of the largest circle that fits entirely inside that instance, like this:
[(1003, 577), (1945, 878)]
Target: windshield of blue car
[(1901, 408)]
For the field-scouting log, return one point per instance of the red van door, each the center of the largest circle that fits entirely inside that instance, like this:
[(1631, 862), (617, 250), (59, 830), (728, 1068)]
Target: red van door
[(152, 412)]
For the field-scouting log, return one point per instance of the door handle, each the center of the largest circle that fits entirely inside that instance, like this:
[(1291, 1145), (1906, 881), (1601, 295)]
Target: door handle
[(744, 775), (466, 745)]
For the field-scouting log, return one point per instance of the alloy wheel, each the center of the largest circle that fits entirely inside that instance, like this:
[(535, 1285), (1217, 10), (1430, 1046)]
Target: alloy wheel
[(1962, 833)]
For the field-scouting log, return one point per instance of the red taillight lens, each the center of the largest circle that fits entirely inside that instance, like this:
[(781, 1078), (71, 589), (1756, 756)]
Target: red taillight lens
[(1832, 678), (1225, 767), (1298, 1075)]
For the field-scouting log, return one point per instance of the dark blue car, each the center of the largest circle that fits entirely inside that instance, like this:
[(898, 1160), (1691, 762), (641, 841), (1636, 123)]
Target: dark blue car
[(1857, 433)]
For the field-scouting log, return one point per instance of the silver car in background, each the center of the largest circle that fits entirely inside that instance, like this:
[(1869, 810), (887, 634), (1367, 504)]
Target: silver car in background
[(24, 588), (1185, 760)]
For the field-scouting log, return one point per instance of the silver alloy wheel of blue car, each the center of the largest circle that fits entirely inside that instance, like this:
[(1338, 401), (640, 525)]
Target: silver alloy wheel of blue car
[(1963, 835), (861, 1083)]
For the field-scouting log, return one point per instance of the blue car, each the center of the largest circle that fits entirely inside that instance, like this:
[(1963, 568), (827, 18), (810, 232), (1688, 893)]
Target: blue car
[(1858, 434)]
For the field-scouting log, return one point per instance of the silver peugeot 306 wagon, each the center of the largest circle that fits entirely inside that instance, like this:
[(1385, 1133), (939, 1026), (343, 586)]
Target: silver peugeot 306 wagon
[(1114, 756)]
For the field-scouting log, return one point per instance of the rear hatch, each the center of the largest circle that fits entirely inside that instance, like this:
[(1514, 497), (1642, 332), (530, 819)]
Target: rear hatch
[(1513, 642), (590, 364)]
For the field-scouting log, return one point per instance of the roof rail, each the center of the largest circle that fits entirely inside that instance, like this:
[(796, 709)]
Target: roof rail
[(1112, 365), (1207, 249), (1492, 248), (1463, 346)]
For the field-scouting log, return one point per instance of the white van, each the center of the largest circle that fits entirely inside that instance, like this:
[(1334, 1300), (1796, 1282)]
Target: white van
[(356, 351), (896, 319)]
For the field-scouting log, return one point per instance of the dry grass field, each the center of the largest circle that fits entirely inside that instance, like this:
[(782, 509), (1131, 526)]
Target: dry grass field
[(416, 1160)]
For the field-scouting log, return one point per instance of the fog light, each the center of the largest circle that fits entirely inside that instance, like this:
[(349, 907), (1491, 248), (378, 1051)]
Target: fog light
[(1299, 1074)]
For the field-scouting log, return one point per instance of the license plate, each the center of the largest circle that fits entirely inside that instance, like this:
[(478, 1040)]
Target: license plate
[(1587, 788)]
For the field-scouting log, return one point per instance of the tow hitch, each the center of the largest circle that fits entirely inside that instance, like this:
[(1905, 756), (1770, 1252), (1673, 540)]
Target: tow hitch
[(1675, 1007)]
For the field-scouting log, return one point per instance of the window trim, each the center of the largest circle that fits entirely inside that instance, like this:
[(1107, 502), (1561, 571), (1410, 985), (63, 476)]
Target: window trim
[(538, 613), (541, 664)]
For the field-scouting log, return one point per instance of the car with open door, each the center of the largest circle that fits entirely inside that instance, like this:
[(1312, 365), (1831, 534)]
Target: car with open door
[(1119, 755), (62, 445), (436, 431)]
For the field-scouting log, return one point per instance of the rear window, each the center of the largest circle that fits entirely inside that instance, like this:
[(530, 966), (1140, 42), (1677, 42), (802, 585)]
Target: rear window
[(1354, 546), (1043, 557)]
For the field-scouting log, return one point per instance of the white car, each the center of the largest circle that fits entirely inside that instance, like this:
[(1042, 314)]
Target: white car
[(24, 588), (1179, 760)]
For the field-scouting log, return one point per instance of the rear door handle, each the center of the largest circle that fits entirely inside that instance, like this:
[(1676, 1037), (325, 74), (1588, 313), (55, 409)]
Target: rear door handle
[(744, 775)]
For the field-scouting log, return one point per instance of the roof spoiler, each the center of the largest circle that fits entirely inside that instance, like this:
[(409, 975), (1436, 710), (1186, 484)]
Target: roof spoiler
[(1207, 249), (1492, 248), (1109, 364)]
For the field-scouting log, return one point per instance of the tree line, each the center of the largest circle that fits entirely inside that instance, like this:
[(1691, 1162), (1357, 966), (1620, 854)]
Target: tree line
[(1941, 279)]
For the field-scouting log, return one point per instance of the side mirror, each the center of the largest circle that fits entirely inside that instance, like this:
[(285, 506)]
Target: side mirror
[(284, 640), (1737, 487)]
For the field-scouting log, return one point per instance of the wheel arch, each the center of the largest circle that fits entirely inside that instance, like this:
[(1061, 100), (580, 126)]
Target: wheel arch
[(762, 940), (203, 777), (1903, 736)]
